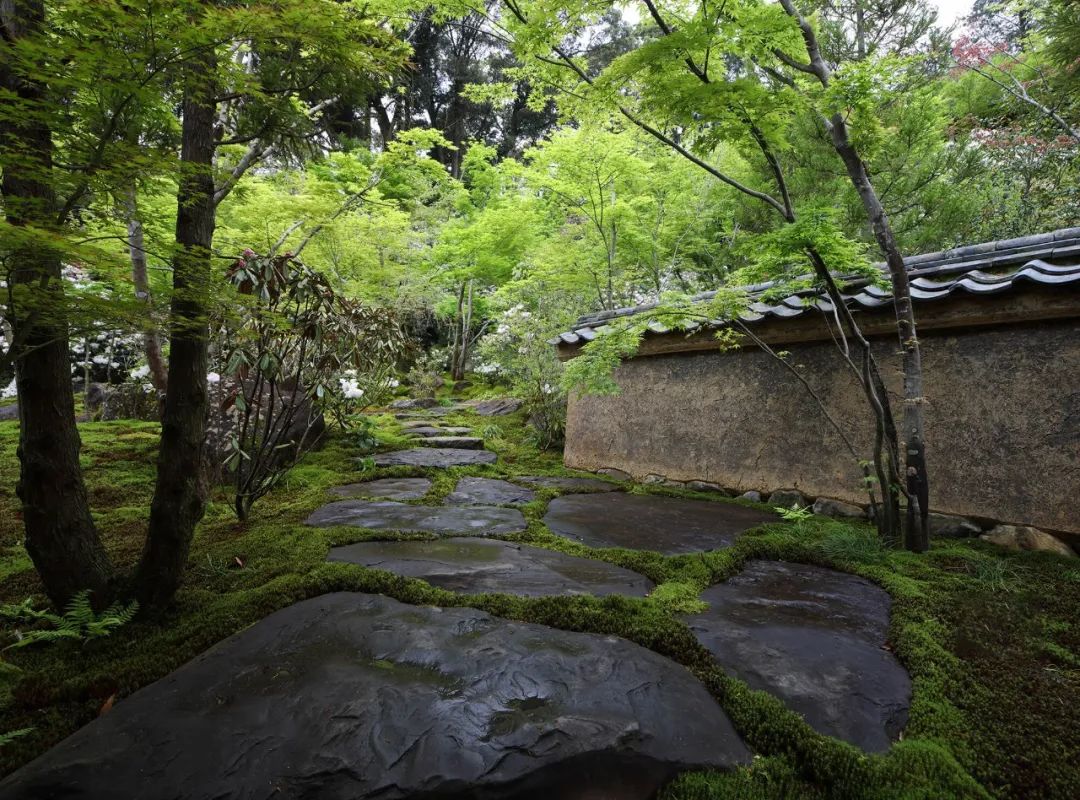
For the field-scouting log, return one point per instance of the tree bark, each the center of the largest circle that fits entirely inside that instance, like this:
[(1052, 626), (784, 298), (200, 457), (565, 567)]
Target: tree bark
[(916, 535), (180, 494), (61, 537), (155, 360)]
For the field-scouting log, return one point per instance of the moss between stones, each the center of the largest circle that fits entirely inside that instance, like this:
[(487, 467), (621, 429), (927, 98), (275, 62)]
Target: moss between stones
[(988, 636)]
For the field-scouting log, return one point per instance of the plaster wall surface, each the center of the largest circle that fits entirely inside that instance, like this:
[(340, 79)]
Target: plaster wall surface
[(1003, 421)]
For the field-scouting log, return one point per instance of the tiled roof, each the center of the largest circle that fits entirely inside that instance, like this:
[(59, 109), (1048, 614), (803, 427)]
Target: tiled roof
[(1050, 259)]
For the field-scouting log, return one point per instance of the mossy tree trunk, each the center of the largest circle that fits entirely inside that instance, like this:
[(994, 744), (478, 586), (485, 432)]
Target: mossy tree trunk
[(180, 494), (60, 534)]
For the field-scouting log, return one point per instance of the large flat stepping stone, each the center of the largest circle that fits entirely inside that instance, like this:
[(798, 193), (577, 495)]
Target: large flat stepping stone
[(435, 457), (476, 566), (569, 484), (389, 488), (494, 408), (666, 525), (488, 491), (417, 402), (358, 696), (426, 414), (815, 638), (429, 430), (459, 442), (390, 516)]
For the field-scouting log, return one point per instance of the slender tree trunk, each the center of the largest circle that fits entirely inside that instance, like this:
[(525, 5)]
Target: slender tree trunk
[(155, 360), (60, 534), (460, 334), (179, 495), (918, 488)]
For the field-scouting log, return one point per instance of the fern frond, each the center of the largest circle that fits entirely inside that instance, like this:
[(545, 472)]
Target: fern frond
[(10, 736)]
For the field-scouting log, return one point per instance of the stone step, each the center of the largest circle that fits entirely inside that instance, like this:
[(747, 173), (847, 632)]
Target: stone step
[(458, 442), (437, 457), (439, 520), (360, 696), (429, 431), (477, 566)]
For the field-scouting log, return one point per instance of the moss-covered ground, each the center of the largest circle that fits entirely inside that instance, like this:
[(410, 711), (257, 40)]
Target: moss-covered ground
[(991, 638)]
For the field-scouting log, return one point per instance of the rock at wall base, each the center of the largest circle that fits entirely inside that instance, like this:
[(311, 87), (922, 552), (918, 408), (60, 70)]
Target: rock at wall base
[(786, 498), (838, 509), (1024, 537), (947, 526)]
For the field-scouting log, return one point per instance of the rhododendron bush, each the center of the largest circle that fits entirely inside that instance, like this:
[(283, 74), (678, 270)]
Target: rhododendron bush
[(292, 351)]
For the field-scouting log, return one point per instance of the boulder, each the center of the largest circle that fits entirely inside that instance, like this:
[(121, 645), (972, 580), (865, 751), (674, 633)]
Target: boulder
[(306, 426), (1024, 537), (106, 402), (359, 696), (460, 386), (786, 498), (617, 474), (495, 408), (705, 486), (947, 526), (652, 479), (752, 496), (827, 507), (440, 520)]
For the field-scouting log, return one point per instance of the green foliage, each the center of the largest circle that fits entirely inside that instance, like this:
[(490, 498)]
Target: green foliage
[(79, 621), (293, 349)]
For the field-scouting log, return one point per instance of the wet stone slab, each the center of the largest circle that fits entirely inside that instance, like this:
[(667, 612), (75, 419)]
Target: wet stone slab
[(435, 457), (429, 430), (388, 488), (815, 638), (569, 484), (442, 520), (488, 491), (475, 566), (459, 442), (666, 525), (358, 696), (427, 413)]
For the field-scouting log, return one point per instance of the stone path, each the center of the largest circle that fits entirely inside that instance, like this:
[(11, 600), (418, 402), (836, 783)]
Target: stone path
[(435, 457), (387, 489), (358, 696), (489, 491), (648, 522), (388, 515), (475, 566), (815, 638), (570, 484)]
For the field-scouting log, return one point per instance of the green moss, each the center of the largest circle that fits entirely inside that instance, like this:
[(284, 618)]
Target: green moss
[(988, 636)]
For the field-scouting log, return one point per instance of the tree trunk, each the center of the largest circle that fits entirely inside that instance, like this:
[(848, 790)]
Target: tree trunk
[(458, 345), (179, 495), (155, 360), (916, 535), (60, 534)]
